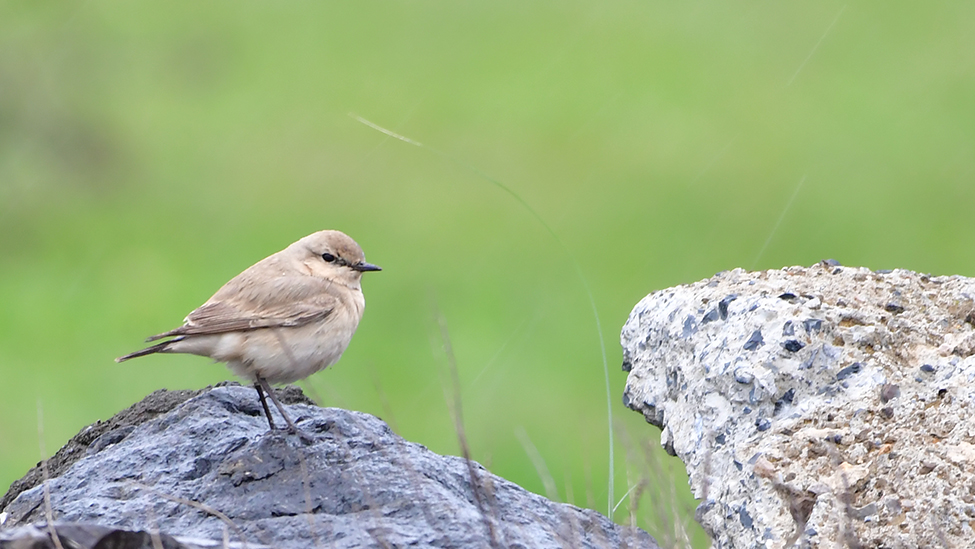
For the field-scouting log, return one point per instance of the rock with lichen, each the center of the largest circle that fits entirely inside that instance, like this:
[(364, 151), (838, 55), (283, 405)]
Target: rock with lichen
[(826, 406)]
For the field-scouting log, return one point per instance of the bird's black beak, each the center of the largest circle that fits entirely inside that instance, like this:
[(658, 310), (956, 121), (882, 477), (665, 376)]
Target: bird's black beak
[(363, 267)]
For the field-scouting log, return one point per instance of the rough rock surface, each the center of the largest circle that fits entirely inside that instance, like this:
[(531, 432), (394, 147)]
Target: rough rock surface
[(815, 407), (93, 536), (209, 469)]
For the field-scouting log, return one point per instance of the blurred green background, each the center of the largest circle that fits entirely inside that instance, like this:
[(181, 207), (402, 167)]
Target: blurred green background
[(149, 152)]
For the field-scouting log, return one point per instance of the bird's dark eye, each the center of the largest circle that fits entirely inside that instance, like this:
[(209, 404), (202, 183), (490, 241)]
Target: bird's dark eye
[(328, 257)]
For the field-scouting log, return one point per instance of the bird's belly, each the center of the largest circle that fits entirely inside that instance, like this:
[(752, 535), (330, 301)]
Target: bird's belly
[(286, 355)]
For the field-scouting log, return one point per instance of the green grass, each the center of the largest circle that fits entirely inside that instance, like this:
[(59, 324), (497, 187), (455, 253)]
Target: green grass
[(150, 152)]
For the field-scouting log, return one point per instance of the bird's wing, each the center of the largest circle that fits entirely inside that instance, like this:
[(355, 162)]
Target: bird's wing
[(283, 304)]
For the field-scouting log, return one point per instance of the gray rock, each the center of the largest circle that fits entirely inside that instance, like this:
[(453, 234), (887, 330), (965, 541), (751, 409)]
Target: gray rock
[(208, 469), (91, 536), (846, 422)]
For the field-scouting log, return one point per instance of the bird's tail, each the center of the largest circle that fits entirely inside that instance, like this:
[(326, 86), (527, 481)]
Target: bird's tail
[(157, 348)]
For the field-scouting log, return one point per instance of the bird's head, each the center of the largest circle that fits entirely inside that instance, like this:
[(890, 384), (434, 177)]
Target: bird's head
[(334, 256)]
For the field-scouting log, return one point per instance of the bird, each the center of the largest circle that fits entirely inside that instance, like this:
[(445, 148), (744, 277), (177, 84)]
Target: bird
[(286, 317)]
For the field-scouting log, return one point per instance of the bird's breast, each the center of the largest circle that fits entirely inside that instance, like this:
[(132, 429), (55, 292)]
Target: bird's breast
[(286, 355)]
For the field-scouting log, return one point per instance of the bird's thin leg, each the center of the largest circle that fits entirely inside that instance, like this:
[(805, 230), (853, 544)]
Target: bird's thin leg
[(267, 411), (267, 389)]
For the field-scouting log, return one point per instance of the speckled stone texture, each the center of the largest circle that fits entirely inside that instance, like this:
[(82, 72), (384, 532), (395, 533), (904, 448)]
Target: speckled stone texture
[(826, 406)]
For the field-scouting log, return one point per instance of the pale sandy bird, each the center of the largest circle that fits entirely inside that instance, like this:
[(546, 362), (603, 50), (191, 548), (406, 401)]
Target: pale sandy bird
[(283, 319)]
